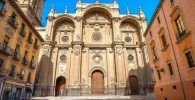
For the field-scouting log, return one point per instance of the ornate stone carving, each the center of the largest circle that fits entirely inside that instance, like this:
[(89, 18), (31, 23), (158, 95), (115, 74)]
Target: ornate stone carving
[(130, 57), (65, 38), (77, 51), (119, 50), (96, 36), (63, 58), (128, 39), (97, 58)]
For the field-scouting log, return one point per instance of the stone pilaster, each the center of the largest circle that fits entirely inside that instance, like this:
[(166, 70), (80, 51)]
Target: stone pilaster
[(75, 70)]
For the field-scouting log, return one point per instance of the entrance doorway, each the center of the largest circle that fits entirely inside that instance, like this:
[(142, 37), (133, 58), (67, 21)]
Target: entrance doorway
[(134, 85), (60, 86), (97, 82)]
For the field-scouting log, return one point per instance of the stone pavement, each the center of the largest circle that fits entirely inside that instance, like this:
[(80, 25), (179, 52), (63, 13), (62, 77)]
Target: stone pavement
[(100, 97)]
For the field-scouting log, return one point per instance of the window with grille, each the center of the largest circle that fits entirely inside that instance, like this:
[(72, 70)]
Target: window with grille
[(170, 69), (190, 59), (164, 42), (180, 26), (159, 76)]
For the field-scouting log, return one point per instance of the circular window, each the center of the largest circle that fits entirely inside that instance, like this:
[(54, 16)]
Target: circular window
[(128, 39), (96, 36), (63, 58), (130, 57), (97, 58), (65, 38)]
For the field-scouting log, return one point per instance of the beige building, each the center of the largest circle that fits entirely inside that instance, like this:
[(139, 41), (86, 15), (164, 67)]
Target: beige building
[(171, 45), (19, 50), (94, 51)]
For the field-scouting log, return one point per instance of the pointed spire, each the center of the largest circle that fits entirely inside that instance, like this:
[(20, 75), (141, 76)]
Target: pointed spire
[(52, 11), (66, 10), (79, 1), (97, 1), (115, 4), (127, 11), (141, 13), (53, 8)]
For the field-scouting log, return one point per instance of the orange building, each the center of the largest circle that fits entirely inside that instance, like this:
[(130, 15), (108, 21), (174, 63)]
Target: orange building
[(19, 50), (171, 49)]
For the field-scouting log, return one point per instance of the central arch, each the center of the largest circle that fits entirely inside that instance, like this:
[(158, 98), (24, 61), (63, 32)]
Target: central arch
[(97, 82), (60, 86), (134, 85)]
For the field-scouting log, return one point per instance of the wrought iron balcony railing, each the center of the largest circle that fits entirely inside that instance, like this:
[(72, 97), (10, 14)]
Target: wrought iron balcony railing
[(32, 65), (17, 55), (25, 61), (12, 21), (6, 49), (30, 40), (22, 32)]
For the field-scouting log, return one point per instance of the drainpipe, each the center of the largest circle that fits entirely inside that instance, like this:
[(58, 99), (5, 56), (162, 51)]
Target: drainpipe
[(182, 85)]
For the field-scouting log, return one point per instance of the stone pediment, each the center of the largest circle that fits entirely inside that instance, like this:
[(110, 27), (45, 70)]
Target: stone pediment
[(127, 27), (97, 18), (66, 26)]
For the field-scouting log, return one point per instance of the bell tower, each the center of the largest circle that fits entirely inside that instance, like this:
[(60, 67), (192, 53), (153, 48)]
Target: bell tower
[(33, 10)]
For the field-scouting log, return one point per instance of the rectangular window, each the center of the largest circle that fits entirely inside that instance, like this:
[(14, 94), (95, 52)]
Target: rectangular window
[(180, 26), (17, 48), (170, 69), (12, 71), (22, 27), (29, 77), (6, 42), (159, 76), (164, 42), (21, 76), (13, 17), (32, 60), (2, 3), (158, 20), (36, 41), (1, 62), (154, 53), (193, 83), (25, 55), (30, 37), (190, 59)]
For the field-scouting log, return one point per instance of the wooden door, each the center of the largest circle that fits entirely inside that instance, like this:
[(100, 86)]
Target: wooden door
[(97, 82), (134, 85)]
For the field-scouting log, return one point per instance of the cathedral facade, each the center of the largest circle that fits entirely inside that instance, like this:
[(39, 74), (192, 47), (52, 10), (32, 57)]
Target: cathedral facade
[(96, 50)]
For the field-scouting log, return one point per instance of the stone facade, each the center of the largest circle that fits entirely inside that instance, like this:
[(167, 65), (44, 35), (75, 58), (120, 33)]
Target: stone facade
[(171, 46), (94, 51), (19, 50)]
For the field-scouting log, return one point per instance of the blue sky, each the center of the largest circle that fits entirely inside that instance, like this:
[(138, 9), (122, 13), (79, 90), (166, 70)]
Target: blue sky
[(148, 6)]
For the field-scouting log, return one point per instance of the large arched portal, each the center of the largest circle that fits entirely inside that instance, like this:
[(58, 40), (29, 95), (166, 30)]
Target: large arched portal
[(134, 85), (97, 82), (60, 86)]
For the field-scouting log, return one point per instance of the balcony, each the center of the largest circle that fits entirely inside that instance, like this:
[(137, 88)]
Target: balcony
[(12, 22), (25, 61), (182, 36), (7, 72), (30, 40), (21, 76), (5, 49), (17, 56), (22, 32), (32, 65)]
